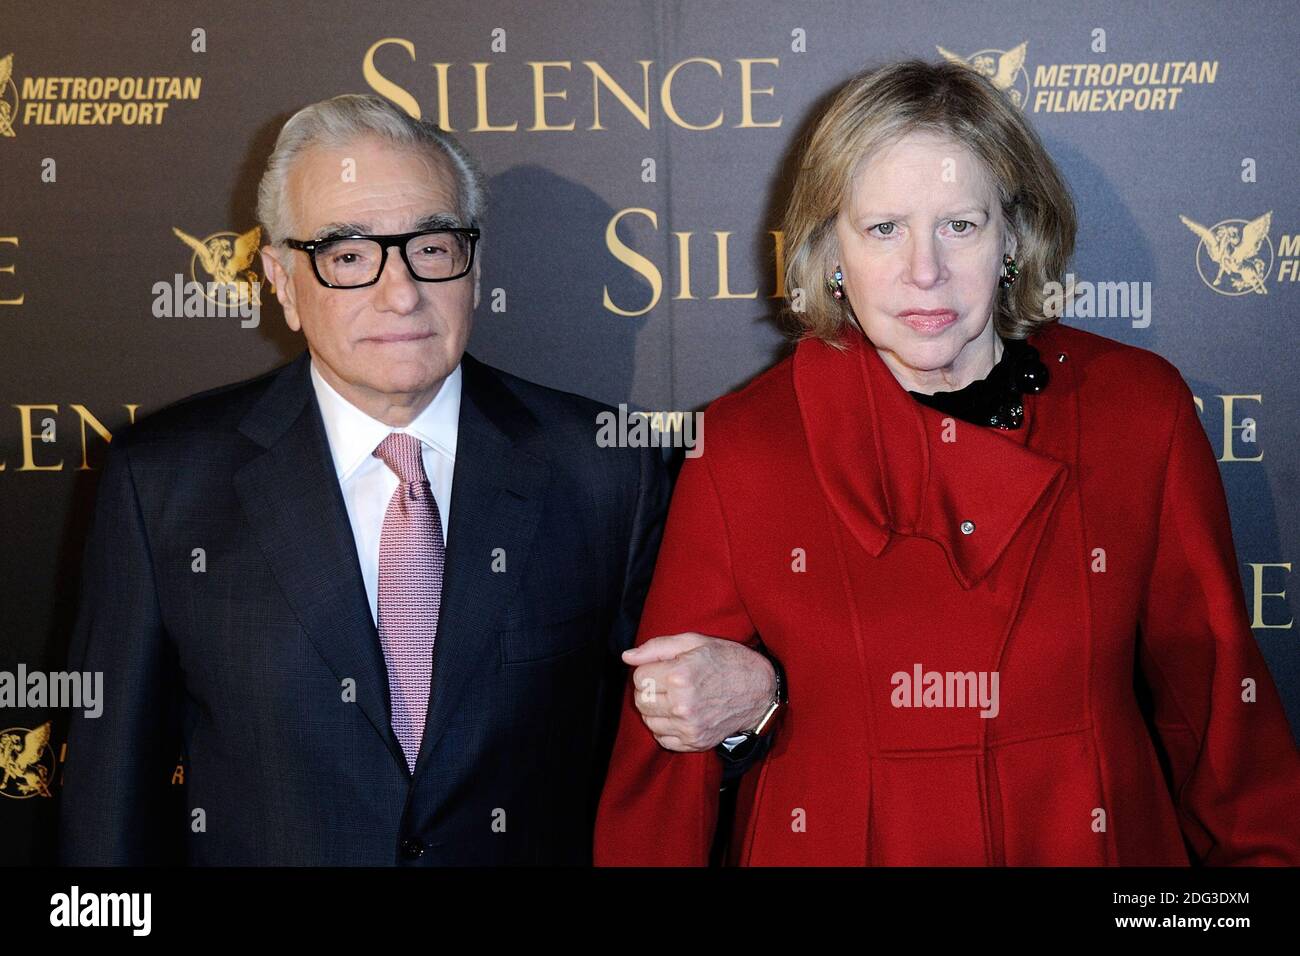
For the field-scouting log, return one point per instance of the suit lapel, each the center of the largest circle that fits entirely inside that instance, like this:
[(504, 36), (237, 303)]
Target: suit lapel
[(292, 500), (499, 485)]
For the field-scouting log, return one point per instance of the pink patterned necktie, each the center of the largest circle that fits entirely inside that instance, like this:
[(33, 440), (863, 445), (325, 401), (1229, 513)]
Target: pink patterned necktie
[(411, 557)]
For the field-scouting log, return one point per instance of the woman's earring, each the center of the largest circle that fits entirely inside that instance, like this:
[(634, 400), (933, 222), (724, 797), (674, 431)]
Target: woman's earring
[(1009, 272), (836, 283)]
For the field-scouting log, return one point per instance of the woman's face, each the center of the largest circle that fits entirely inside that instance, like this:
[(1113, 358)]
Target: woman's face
[(922, 229)]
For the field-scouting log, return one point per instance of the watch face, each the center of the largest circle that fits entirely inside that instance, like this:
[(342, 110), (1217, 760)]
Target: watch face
[(742, 750)]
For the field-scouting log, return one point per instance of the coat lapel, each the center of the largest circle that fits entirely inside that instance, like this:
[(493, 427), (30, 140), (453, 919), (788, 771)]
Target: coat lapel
[(499, 485), (292, 500), (885, 467)]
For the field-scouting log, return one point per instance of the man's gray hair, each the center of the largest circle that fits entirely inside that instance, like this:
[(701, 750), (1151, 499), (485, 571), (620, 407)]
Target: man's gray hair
[(341, 121)]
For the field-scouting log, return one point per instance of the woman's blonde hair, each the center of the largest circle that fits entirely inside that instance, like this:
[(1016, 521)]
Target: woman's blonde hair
[(874, 109)]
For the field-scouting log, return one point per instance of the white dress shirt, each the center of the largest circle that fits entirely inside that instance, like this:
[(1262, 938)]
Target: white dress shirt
[(367, 483)]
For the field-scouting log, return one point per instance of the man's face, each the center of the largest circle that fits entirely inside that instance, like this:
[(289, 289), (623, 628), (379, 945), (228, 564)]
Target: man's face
[(922, 229), (385, 347)]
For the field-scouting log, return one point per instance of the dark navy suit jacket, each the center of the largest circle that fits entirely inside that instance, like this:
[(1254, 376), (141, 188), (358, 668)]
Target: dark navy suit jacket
[(245, 666)]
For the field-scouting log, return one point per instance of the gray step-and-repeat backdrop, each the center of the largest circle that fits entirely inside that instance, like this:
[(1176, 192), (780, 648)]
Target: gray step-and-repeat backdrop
[(638, 155)]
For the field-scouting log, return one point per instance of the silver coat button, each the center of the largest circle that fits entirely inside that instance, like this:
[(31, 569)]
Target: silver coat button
[(967, 527)]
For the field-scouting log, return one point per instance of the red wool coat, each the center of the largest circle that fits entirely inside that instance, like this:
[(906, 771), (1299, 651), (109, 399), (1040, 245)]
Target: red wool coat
[(826, 516)]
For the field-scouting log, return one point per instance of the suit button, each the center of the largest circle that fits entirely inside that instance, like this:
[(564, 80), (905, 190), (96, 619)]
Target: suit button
[(412, 849), (968, 527)]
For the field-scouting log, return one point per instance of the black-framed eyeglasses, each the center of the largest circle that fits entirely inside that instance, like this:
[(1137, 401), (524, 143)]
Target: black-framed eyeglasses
[(351, 262)]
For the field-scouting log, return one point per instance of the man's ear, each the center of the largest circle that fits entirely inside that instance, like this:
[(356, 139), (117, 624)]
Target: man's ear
[(280, 282), (477, 263)]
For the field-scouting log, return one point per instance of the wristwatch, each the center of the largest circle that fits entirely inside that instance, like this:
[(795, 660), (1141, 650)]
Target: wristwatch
[(740, 746)]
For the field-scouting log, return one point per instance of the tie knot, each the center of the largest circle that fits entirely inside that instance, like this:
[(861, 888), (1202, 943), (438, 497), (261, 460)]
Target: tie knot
[(401, 452)]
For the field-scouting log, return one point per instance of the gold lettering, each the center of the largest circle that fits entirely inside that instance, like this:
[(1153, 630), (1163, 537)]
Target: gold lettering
[(1259, 594), (480, 90), (10, 270), (444, 109), (633, 260), (36, 88), (88, 419), (600, 78), (28, 439), (666, 94), (724, 288), (748, 91), (540, 93), (1229, 427), (384, 86), (684, 265)]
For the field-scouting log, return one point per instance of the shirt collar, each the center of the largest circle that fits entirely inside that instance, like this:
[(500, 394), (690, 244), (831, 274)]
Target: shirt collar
[(353, 435)]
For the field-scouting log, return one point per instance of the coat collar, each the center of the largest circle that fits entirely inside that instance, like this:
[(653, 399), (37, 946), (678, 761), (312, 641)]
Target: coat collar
[(884, 465)]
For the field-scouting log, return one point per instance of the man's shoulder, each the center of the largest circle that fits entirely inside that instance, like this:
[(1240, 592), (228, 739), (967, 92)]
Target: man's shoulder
[(213, 412), (556, 425), (565, 423), (547, 404)]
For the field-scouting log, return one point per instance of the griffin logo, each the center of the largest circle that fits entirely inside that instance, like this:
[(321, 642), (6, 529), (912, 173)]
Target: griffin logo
[(1238, 251), (8, 96), (226, 258), (1004, 68), (26, 762)]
